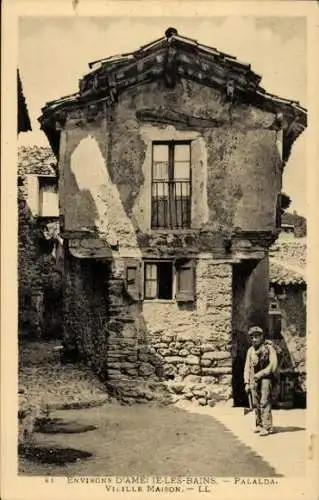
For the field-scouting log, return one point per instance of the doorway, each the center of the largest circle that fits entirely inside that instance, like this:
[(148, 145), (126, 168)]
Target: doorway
[(250, 286)]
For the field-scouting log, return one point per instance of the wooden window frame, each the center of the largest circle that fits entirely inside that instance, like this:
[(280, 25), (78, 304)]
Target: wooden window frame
[(171, 182), (178, 295), (155, 262)]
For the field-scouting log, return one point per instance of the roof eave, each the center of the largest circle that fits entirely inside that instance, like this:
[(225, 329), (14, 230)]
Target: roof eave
[(116, 74)]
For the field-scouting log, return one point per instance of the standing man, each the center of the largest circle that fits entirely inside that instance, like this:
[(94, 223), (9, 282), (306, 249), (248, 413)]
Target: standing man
[(260, 367)]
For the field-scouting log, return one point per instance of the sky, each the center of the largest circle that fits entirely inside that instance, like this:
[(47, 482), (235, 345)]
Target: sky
[(54, 54)]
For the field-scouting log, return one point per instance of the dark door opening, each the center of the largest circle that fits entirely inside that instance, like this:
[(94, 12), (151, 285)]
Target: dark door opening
[(250, 307)]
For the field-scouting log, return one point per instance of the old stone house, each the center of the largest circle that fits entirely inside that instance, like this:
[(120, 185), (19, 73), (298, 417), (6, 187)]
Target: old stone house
[(40, 260), (170, 169)]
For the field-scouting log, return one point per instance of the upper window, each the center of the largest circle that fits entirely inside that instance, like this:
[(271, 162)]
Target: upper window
[(171, 185), (48, 197)]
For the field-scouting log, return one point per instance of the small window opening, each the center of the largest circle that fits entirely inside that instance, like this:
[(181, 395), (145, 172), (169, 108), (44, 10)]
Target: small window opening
[(158, 283)]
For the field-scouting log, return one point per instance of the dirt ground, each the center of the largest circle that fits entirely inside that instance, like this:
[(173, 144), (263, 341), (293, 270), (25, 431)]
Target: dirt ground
[(146, 440), (140, 439)]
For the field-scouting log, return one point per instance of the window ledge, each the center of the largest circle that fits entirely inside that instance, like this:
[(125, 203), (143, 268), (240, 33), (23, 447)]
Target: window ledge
[(159, 301)]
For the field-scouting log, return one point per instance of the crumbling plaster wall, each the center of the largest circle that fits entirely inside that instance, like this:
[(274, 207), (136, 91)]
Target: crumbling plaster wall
[(241, 155)]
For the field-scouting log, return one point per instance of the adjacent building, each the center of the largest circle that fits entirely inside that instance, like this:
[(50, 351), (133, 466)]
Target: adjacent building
[(288, 315), (40, 259), (170, 170)]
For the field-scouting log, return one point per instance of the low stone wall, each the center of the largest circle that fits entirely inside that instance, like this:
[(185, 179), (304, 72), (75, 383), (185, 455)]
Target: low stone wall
[(196, 371)]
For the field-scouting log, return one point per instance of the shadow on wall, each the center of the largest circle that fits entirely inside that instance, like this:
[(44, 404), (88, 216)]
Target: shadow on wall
[(95, 199), (80, 205)]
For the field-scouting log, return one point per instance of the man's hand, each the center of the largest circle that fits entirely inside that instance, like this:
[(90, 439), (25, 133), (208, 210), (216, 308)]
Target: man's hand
[(257, 377), (247, 388)]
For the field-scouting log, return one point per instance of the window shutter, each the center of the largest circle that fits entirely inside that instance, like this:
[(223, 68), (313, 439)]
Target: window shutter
[(185, 281), (133, 278)]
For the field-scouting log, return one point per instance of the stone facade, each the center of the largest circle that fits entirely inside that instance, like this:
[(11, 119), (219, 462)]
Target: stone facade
[(180, 344), (39, 256)]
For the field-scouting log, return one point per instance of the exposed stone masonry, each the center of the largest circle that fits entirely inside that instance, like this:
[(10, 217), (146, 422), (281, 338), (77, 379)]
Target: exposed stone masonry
[(155, 351)]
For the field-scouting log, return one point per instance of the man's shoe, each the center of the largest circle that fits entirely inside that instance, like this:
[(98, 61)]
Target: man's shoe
[(258, 429), (265, 432)]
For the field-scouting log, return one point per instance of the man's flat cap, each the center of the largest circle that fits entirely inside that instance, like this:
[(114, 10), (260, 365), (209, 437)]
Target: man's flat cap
[(255, 329)]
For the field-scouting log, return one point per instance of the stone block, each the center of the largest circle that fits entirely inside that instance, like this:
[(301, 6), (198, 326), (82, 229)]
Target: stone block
[(174, 360), (144, 357), (192, 360), (174, 352), (184, 352), (146, 369), (199, 393), (224, 362), (195, 350), (225, 379), (207, 348), (169, 370), (208, 380), (188, 395), (128, 366), (160, 345), (184, 370), (113, 365), (164, 352), (191, 379), (216, 355), (206, 362), (168, 338), (177, 388), (132, 358), (132, 372), (202, 401), (195, 369), (128, 342), (216, 371), (188, 344), (114, 374)]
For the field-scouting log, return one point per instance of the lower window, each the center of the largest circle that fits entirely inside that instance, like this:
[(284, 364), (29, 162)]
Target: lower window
[(158, 280)]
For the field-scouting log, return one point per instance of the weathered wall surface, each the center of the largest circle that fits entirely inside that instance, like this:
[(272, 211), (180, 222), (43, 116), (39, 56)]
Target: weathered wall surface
[(241, 154)]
